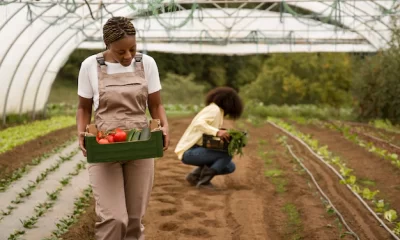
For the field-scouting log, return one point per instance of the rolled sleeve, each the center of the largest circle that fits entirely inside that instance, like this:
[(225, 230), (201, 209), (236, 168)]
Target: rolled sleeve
[(152, 75), (84, 86)]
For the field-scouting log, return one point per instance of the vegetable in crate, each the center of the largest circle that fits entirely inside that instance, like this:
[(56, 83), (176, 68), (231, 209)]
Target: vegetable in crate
[(120, 135), (136, 136), (145, 135), (130, 135), (103, 141)]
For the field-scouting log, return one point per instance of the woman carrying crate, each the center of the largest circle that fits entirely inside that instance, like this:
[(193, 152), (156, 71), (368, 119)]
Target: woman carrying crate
[(119, 83), (220, 102)]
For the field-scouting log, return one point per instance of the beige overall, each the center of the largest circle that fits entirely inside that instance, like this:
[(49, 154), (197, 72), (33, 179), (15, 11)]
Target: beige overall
[(121, 189)]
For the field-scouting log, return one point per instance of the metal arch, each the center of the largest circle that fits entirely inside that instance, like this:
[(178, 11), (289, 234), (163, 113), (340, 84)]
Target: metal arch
[(41, 78), (362, 22), (358, 20), (42, 54), (44, 72), (24, 54), (20, 33), (5, 55), (262, 14), (12, 16), (34, 66), (293, 4)]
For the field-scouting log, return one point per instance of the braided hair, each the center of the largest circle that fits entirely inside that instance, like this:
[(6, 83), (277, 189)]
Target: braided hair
[(117, 28)]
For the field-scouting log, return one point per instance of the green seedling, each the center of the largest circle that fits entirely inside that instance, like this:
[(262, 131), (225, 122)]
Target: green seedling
[(294, 226), (17, 200), (29, 223), (273, 173), (65, 181), (80, 205), (16, 235)]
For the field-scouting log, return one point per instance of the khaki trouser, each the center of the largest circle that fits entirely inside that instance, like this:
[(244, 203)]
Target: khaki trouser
[(122, 192)]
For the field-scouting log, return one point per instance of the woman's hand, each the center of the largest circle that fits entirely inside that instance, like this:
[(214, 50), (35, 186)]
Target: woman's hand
[(82, 143), (157, 111), (223, 135), (83, 116), (165, 131)]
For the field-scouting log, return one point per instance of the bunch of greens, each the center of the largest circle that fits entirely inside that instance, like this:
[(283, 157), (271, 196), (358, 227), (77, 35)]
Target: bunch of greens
[(237, 142)]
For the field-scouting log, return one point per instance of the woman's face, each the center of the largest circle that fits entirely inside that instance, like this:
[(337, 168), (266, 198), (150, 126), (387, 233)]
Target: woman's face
[(123, 50)]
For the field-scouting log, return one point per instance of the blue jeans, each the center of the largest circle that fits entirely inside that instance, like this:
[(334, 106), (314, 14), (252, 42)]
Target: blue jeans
[(220, 161)]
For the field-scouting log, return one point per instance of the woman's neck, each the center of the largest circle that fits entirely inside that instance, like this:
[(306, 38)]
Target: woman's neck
[(108, 58)]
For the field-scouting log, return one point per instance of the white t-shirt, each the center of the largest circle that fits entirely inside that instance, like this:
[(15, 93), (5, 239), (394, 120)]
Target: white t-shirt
[(88, 77)]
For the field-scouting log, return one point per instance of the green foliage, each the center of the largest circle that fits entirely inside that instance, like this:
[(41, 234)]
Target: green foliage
[(70, 70), (385, 124), (397, 229), (80, 205), (302, 78), (254, 109), (237, 142), (182, 89), (273, 173), (390, 215), (210, 70), (376, 84), (294, 225), (14, 136)]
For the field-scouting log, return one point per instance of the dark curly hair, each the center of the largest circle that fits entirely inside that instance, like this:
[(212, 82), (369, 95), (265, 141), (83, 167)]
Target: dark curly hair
[(117, 28), (228, 99)]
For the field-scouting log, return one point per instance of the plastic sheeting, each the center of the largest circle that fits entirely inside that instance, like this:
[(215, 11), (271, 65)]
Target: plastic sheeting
[(37, 37)]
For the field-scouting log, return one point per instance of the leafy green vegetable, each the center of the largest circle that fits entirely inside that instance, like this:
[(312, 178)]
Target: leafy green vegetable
[(15, 136), (397, 229), (390, 215), (368, 194), (237, 142), (380, 206)]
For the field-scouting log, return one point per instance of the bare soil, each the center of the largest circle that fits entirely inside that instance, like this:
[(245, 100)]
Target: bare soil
[(246, 204), (367, 166), (25, 153)]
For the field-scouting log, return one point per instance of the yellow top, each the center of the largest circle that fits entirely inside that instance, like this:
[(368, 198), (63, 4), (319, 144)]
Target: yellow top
[(208, 120)]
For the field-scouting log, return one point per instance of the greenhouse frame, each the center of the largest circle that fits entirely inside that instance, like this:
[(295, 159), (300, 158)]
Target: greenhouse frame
[(37, 37)]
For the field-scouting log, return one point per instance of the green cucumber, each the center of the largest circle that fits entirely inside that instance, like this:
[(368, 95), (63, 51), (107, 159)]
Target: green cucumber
[(130, 135), (136, 136), (145, 135)]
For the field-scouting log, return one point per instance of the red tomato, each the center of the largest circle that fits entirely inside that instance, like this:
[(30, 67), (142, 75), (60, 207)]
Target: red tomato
[(99, 136), (110, 138), (120, 136), (118, 130), (103, 141)]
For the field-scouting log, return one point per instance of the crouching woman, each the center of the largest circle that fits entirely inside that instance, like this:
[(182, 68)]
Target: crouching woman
[(220, 102)]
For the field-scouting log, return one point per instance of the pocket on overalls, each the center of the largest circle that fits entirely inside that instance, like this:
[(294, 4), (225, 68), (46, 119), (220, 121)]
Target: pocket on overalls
[(120, 96)]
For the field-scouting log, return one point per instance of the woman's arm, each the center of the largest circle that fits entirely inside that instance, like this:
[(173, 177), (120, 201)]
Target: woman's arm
[(157, 111), (206, 117), (83, 117)]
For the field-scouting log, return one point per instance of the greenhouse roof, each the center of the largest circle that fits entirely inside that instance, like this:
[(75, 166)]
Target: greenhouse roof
[(38, 36)]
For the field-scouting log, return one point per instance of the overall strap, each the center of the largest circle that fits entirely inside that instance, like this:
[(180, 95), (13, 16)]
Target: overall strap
[(139, 61), (101, 70)]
